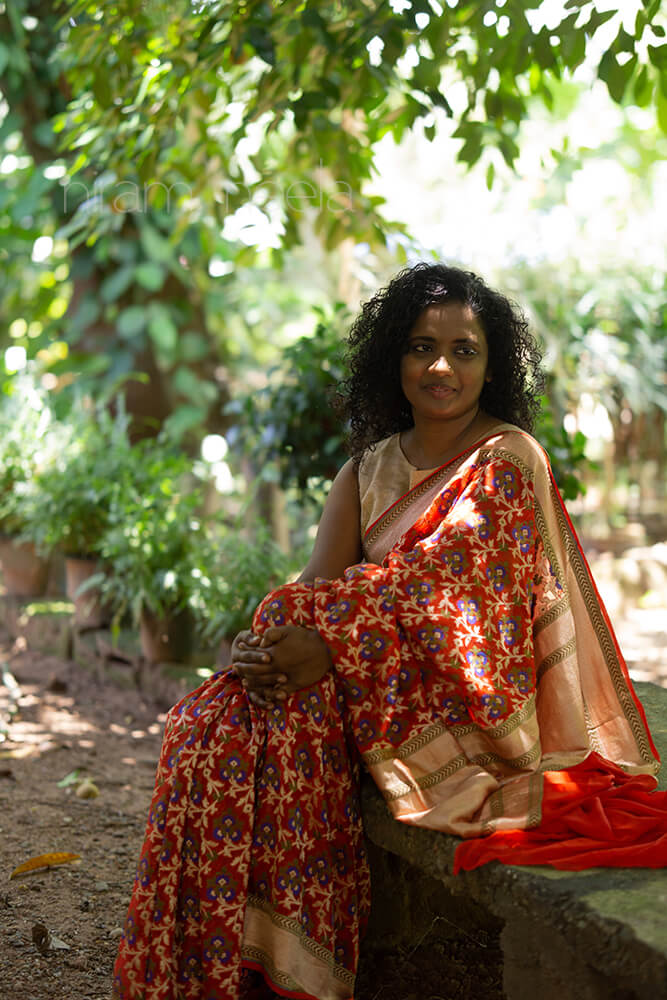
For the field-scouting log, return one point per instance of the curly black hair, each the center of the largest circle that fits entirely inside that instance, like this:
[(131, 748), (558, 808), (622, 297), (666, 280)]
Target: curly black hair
[(371, 398)]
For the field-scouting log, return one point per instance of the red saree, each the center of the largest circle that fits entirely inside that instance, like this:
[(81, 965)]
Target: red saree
[(478, 679)]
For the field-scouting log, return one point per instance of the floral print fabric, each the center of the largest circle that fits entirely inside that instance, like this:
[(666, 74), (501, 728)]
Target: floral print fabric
[(453, 663)]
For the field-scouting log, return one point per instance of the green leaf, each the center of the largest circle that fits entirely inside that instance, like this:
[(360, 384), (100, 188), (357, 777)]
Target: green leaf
[(101, 87), (131, 321), (597, 19), (196, 389), (661, 108), (156, 247), (162, 329), (614, 75), (69, 779), (658, 55), (193, 346), (150, 275), (509, 149), (114, 286), (643, 88), (184, 418), (490, 175)]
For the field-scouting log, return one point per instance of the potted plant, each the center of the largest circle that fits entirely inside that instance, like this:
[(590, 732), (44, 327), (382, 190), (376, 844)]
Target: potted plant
[(76, 496), (30, 441), (151, 547)]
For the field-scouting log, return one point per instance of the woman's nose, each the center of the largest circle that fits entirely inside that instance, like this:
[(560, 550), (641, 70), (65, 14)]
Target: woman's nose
[(441, 364)]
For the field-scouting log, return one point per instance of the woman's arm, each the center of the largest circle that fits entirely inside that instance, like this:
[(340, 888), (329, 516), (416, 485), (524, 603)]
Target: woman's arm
[(338, 539), (298, 657)]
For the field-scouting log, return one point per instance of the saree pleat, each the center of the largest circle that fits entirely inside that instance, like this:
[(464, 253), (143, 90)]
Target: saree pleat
[(253, 855), (477, 678)]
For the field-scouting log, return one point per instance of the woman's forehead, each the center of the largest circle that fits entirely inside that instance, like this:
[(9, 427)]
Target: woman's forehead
[(448, 319)]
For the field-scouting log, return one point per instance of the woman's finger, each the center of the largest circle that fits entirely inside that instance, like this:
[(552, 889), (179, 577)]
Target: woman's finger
[(258, 700), (251, 656), (273, 634), (260, 681), (255, 670)]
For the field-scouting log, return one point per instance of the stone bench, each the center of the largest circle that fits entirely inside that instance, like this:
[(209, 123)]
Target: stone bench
[(599, 934)]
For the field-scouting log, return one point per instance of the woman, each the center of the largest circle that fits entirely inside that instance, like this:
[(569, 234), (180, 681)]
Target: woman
[(467, 662)]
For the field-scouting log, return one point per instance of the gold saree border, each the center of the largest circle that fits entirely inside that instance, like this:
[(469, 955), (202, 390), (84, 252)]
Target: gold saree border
[(429, 780), (268, 933), (401, 505), (417, 742), (444, 472), (576, 562), (551, 616), (426, 781), (558, 656)]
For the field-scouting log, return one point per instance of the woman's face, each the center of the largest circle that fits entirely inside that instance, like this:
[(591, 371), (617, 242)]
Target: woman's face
[(445, 363)]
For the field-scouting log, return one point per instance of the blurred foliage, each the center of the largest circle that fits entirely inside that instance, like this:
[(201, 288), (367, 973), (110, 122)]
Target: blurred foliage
[(606, 338), (78, 491), (289, 423), (567, 452), (152, 543), (168, 169), (243, 570), (130, 134), (31, 443)]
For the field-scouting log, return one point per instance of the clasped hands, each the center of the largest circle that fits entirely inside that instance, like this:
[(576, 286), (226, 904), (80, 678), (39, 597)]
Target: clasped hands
[(283, 660)]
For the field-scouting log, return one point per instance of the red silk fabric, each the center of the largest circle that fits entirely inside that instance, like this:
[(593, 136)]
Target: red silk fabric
[(593, 815)]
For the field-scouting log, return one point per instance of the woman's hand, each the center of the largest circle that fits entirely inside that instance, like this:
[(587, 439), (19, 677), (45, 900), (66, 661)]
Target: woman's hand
[(285, 659), (258, 674)]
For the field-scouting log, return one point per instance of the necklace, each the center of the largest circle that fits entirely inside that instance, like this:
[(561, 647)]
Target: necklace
[(470, 433)]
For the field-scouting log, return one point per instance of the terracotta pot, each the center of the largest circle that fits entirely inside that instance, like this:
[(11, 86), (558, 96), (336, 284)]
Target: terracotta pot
[(166, 638), (24, 573), (90, 611)]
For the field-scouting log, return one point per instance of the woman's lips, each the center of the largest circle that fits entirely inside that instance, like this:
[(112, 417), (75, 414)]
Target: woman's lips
[(440, 391)]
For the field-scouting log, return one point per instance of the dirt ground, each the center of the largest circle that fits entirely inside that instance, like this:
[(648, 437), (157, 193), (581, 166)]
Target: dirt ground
[(59, 928), (67, 722)]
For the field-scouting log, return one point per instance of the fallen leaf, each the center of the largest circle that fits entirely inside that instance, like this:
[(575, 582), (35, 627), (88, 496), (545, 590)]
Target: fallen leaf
[(41, 937), (44, 861), (44, 940), (69, 779)]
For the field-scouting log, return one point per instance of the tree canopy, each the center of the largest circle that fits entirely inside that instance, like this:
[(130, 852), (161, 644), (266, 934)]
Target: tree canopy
[(134, 132)]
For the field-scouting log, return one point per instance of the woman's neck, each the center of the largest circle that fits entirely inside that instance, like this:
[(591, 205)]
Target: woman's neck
[(430, 443)]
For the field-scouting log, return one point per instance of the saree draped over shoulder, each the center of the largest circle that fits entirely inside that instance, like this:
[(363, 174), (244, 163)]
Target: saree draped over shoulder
[(475, 675)]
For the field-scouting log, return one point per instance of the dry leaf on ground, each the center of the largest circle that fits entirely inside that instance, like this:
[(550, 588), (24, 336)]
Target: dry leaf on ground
[(44, 861)]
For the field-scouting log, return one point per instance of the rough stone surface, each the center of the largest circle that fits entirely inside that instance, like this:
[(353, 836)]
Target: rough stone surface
[(604, 931)]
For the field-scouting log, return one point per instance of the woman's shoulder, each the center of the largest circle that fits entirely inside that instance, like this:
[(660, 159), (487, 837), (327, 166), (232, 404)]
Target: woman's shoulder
[(517, 444), (384, 477), (380, 452)]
